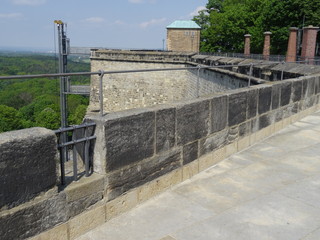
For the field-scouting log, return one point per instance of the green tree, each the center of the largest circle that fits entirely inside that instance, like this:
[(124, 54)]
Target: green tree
[(48, 118), (9, 119), (225, 22)]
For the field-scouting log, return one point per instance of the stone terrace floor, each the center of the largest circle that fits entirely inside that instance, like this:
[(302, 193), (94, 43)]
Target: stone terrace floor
[(268, 191)]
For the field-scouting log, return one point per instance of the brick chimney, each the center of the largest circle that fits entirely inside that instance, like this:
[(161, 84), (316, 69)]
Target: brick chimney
[(309, 43), (292, 45), (266, 46), (247, 38)]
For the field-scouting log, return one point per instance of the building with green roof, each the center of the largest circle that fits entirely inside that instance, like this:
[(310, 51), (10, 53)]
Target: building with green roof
[(183, 36)]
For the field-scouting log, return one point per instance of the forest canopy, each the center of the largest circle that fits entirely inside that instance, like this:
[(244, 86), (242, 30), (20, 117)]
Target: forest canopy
[(35, 102), (225, 22)]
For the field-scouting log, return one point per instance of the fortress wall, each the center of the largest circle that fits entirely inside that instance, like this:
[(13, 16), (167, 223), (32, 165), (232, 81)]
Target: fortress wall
[(142, 152), (27, 165), (138, 146), (135, 90)]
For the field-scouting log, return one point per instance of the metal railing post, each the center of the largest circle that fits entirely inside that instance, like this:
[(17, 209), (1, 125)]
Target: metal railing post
[(198, 81), (75, 159), (101, 91), (250, 74), (86, 152), (282, 71)]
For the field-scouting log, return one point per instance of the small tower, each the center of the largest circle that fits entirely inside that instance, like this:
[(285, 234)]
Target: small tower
[(183, 36)]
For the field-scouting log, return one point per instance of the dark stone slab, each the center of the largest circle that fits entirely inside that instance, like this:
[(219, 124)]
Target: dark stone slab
[(296, 91), (264, 121), (255, 125), (213, 142), (252, 103), (310, 87), (219, 113), (27, 164), (264, 99), (190, 152), (122, 181), (129, 139), (245, 129), (317, 85), (165, 129), (304, 88), (80, 205), (192, 122), (276, 90), (233, 134), (285, 93), (237, 108), (278, 115), (32, 219)]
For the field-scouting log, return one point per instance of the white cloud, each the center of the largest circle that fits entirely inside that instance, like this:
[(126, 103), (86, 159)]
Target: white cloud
[(197, 10), (152, 22), (94, 20), (29, 2), (10, 15)]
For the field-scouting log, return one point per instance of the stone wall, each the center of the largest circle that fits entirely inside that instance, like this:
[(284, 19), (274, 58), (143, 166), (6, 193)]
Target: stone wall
[(183, 40), (138, 146), (133, 90), (141, 152), (27, 165)]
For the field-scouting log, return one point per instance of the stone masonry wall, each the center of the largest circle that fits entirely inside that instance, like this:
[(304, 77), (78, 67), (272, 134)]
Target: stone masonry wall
[(138, 146), (132, 90), (27, 165), (141, 152)]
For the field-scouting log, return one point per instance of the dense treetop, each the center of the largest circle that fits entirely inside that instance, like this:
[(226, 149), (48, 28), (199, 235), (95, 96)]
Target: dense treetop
[(225, 22), (35, 102)]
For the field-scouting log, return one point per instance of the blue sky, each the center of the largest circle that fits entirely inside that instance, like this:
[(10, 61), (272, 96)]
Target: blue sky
[(92, 23)]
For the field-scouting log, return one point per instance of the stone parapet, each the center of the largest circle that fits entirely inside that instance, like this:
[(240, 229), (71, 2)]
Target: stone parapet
[(27, 165)]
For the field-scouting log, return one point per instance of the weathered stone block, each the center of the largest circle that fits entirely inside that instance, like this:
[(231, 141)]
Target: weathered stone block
[(285, 93), (276, 90), (219, 112), (237, 108), (190, 152), (192, 122), (166, 129), (33, 218), (255, 125), (78, 206), (264, 121), (304, 88), (214, 142), (27, 164), (296, 91), (317, 85), (233, 134), (252, 103), (245, 129), (264, 99), (87, 221), (129, 139), (310, 87), (128, 178)]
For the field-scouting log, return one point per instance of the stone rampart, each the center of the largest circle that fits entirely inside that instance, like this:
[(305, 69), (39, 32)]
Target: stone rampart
[(27, 165), (138, 146), (140, 152), (135, 90)]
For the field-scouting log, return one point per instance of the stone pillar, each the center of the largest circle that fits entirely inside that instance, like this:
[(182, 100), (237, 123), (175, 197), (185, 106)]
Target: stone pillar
[(266, 46), (309, 43), (292, 45), (247, 38)]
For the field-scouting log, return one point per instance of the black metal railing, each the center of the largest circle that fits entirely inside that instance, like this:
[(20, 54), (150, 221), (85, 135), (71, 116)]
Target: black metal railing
[(82, 137)]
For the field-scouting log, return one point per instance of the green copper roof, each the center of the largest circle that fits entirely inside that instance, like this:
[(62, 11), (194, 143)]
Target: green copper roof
[(184, 24)]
